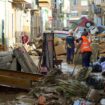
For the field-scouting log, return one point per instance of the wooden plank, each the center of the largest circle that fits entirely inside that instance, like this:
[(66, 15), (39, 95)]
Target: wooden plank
[(101, 35), (102, 51), (15, 82), (25, 60), (23, 75), (18, 79)]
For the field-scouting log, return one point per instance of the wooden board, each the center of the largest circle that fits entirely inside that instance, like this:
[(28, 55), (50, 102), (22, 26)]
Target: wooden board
[(18, 79), (101, 35), (25, 60), (102, 51), (15, 82)]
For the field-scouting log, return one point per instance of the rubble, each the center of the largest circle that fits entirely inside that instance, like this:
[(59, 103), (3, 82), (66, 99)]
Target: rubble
[(101, 45), (57, 90)]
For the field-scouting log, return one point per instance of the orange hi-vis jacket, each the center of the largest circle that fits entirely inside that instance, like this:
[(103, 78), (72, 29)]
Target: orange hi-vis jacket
[(85, 46)]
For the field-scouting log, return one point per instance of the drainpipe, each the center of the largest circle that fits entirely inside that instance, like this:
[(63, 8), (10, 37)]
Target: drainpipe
[(4, 25), (3, 40)]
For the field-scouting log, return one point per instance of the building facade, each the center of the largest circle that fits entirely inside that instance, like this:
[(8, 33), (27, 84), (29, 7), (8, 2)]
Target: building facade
[(14, 19), (97, 11), (74, 10)]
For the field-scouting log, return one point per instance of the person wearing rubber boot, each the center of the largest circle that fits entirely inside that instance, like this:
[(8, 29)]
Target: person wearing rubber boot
[(70, 46), (85, 49)]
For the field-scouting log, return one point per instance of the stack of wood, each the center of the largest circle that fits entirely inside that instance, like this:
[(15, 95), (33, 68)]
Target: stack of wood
[(101, 45)]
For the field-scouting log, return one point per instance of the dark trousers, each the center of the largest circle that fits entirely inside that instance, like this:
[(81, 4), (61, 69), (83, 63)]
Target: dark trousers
[(70, 54), (86, 59)]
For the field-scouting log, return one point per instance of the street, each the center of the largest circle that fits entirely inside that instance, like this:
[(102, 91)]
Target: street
[(52, 52)]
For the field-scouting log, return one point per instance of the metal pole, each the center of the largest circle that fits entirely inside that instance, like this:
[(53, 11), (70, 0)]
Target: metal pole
[(53, 14)]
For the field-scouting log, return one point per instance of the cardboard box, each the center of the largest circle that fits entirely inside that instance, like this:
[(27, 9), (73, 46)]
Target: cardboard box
[(60, 49)]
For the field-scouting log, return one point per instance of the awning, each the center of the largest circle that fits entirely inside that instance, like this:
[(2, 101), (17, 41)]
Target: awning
[(18, 1), (44, 3), (21, 1)]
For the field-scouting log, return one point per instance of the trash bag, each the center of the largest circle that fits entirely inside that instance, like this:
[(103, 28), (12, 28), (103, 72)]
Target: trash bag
[(103, 66), (96, 67), (96, 83), (102, 59)]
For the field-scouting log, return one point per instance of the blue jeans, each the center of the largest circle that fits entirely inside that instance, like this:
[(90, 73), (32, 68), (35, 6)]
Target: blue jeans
[(86, 59), (70, 54)]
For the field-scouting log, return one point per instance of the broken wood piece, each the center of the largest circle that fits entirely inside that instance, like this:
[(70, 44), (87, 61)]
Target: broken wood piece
[(16, 79), (25, 60)]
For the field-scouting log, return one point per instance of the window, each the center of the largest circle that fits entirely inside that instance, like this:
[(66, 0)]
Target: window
[(84, 13), (74, 14), (103, 1), (84, 2), (75, 2)]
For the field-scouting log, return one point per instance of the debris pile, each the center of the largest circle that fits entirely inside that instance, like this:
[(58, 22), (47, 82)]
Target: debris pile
[(101, 45), (55, 89), (62, 89), (35, 48), (58, 90)]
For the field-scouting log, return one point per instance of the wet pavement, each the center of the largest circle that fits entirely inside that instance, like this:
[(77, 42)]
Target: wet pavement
[(66, 68), (70, 68)]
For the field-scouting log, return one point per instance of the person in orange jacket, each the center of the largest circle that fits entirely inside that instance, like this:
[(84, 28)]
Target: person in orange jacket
[(85, 49)]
